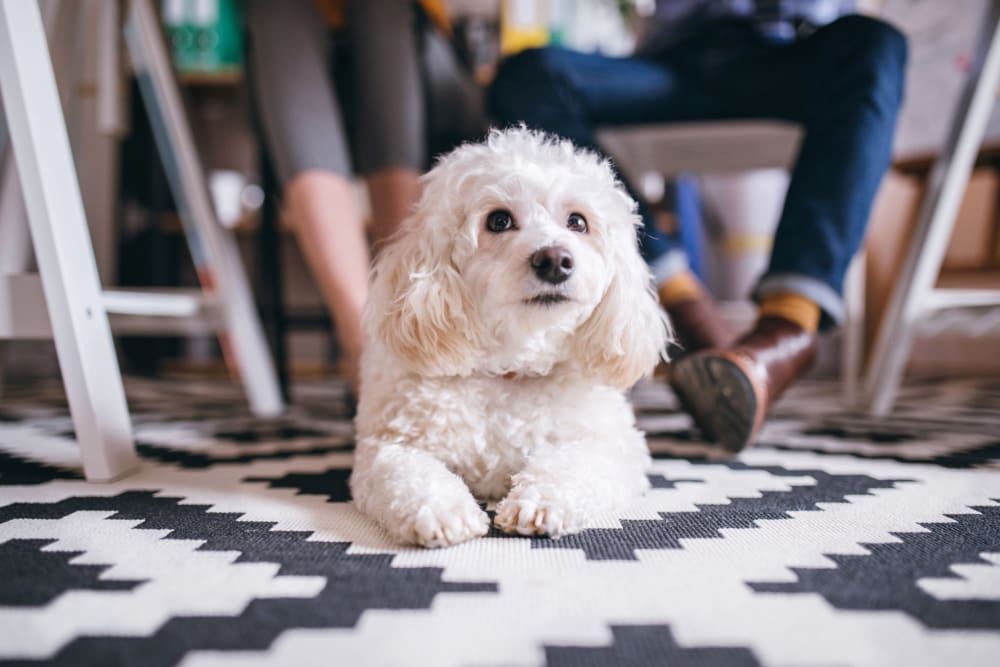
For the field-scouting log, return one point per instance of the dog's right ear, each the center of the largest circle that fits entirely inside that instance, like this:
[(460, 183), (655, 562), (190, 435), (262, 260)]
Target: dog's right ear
[(418, 304)]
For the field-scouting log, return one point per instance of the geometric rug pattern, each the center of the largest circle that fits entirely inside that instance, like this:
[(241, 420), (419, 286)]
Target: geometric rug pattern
[(837, 540)]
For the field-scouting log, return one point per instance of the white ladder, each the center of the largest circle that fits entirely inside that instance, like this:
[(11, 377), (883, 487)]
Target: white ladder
[(65, 300), (915, 298)]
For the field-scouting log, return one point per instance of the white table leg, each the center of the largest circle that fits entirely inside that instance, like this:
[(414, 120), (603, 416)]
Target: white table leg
[(213, 248), (62, 244), (930, 239)]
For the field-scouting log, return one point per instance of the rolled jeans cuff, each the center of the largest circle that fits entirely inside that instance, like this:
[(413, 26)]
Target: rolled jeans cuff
[(668, 265), (824, 296)]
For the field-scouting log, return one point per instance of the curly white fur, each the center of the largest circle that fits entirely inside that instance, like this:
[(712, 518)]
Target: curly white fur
[(471, 390)]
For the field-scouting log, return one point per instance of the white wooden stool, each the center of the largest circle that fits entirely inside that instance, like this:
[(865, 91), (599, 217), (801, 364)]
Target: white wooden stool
[(915, 299), (64, 300)]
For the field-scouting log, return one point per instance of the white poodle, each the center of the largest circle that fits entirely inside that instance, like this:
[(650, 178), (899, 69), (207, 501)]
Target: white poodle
[(504, 324)]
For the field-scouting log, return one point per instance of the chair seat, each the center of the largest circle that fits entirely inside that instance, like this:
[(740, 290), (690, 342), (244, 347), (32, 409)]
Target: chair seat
[(703, 147)]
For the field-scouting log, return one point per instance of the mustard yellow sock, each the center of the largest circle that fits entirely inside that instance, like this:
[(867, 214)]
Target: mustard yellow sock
[(679, 287), (792, 307)]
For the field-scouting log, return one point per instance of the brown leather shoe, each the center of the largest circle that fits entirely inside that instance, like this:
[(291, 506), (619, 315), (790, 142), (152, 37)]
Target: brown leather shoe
[(729, 391), (698, 325)]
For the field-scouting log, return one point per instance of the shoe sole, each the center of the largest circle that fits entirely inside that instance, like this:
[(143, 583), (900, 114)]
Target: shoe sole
[(719, 396)]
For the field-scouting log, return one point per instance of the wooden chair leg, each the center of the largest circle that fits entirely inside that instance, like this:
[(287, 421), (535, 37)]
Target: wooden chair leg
[(270, 281), (852, 347)]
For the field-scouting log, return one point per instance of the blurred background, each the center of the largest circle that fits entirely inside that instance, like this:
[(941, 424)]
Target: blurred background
[(723, 204)]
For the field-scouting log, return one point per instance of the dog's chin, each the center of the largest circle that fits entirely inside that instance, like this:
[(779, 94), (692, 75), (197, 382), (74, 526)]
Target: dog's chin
[(547, 299)]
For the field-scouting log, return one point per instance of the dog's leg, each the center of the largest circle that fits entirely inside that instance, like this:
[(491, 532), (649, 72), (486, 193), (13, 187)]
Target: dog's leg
[(414, 496), (563, 487)]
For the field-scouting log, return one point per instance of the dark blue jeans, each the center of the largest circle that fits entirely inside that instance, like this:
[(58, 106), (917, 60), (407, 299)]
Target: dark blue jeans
[(843, 84)]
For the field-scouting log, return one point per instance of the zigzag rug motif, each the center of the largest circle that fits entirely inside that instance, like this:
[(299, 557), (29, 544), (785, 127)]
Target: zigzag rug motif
[(838, 540)]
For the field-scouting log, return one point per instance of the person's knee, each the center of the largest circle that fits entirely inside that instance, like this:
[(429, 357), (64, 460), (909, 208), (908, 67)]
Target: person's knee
[(879, 50), (522, 81)]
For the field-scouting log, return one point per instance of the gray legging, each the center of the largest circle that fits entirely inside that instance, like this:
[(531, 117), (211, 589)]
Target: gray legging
[(387, 86)]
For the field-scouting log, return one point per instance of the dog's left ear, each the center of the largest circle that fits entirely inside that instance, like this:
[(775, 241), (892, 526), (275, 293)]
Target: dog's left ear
[(628, 332)]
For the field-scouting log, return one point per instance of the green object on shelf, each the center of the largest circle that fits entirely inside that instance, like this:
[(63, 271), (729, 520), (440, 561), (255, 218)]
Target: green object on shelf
[(206, 36)]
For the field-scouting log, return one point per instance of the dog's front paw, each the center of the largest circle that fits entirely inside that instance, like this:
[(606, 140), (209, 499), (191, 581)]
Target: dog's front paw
[(442, 524), (530, 512)]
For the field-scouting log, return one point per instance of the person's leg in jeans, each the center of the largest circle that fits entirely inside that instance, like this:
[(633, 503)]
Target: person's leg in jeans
[(290, 77), (843, 84), (570, 94), (850, 93)]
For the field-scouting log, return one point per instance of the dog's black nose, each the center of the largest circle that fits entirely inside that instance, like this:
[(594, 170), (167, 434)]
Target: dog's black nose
[(553, 264)]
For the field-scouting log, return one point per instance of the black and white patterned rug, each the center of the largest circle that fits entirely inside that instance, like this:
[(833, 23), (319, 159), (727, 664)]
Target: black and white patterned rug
[(838, 541)]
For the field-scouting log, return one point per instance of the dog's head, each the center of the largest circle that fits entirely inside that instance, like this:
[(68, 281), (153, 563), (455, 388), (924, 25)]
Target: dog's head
[(520, 255)]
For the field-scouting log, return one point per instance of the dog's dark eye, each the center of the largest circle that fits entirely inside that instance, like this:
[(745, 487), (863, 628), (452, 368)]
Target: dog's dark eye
[(499, 221), (577, 223)]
